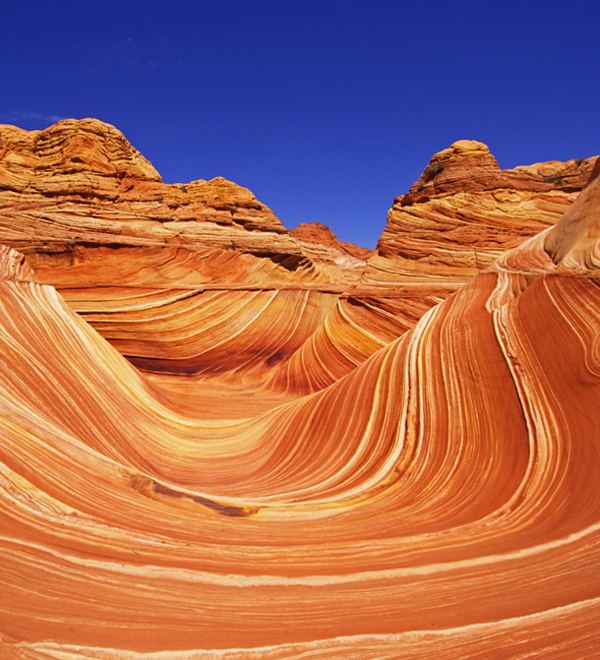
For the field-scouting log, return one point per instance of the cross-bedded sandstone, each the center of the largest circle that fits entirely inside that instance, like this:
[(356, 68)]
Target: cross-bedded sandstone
[(365, 473)]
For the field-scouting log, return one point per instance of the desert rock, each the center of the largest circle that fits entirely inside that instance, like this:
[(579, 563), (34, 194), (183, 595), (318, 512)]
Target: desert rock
[(464, 212), (296, 471)]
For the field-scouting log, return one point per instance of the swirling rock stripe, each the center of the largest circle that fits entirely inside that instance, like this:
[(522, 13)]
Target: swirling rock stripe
[(457, 236), (354, 330), (297, 341), (209, 331)]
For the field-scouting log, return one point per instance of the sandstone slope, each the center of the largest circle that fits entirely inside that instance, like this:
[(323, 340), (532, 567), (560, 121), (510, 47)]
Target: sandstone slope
[(137, 257), (77, 192), (464, 211), (433, 502)]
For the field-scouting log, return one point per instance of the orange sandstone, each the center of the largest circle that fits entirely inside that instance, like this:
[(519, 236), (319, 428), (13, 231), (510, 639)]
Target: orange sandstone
[(322, 475), (464, 212), (184, 279)]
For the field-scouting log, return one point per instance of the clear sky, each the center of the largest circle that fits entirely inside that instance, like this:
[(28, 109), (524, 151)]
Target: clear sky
[(325, 109)]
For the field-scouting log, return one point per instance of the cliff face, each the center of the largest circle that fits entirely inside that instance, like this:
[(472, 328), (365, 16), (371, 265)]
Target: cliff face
[(299, 471), (89, 162), (139, 259), (76, 194), (315, 232), (459, 217), (79, 186)]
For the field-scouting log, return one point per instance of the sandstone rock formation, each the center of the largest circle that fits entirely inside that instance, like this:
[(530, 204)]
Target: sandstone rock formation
[(125, 250), (301, 468), (458, 218), (464, 212), (315, 232), (139, 259), (76, 191)]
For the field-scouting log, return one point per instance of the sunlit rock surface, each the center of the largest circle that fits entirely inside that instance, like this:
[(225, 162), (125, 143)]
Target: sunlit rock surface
[(464, 212), (315, 232), (138, 258), (294, 470), (187, 278)]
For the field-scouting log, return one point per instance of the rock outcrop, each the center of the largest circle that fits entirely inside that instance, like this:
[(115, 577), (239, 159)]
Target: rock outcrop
[(315, 232), (138, 258), (297, 471), (464, 212), (76, 193), (188, 278)]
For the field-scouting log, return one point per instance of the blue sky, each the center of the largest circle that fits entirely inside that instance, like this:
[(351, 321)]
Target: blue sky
[(325, 110)]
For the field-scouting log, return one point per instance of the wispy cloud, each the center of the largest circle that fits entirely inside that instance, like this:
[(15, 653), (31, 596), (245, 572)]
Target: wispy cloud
[(29, 118), (127, 55)]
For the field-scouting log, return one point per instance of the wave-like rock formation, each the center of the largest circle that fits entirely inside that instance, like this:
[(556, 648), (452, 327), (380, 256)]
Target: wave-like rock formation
[(243, 493), (139, 259), (135, 256)]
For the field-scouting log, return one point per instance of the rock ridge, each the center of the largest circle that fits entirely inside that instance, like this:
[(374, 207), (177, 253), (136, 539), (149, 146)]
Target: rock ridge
[(464, 212), (468, 166)]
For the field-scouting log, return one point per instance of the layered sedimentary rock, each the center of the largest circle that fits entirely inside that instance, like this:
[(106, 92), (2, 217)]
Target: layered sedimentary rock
[(219, 439), (77, 194), (135, 256), (436, 501), (456, 220), (316, 232), (460, 215), (184, 279), (464, 212), (202, 279)]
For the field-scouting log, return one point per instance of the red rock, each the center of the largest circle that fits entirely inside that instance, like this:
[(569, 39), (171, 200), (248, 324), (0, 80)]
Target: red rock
[(138, 258), (428, 497), (95, 220), (463, 212), (315, 232), (416, 507)]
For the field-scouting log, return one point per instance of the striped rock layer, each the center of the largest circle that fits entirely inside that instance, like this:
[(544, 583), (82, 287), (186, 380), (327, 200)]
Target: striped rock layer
[(185, 279), (435, 498)]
